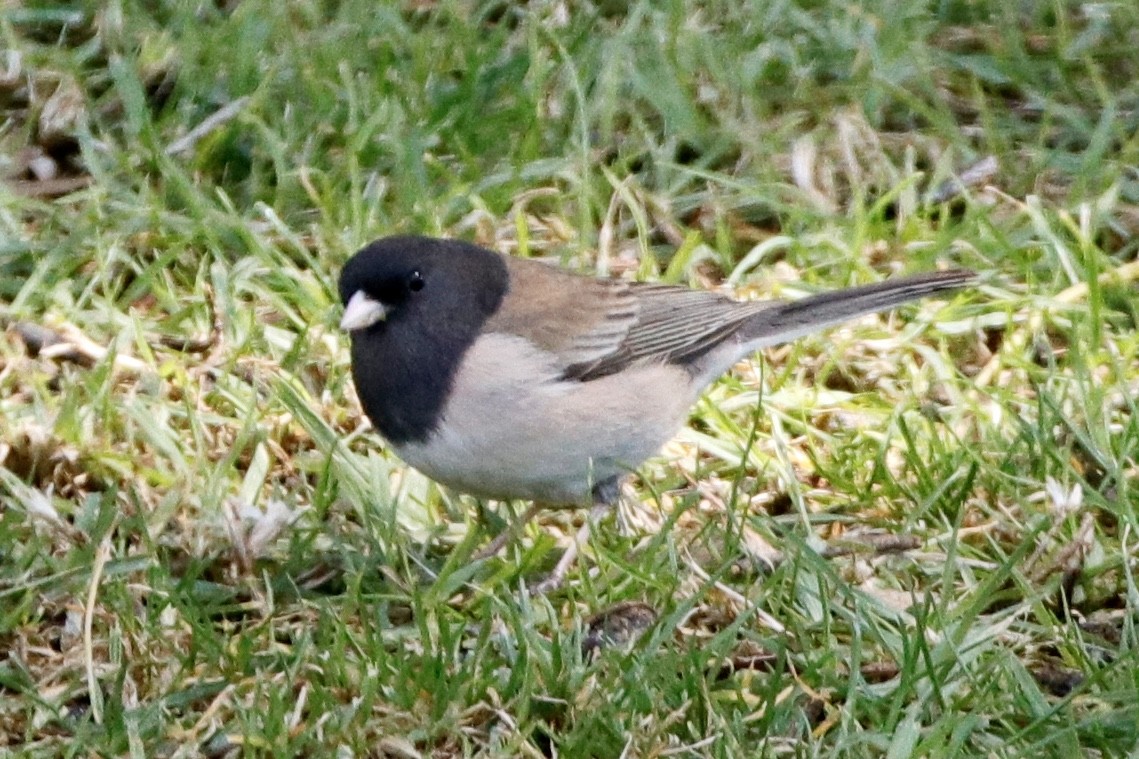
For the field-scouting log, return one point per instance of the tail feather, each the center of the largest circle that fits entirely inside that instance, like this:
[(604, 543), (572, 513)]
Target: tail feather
[(785, 321)]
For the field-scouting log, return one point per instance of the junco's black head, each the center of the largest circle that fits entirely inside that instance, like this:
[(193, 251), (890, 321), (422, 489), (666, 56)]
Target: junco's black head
[(413, 306), (409, 279)]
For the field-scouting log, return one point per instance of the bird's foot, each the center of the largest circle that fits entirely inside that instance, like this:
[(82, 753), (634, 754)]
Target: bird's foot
[(501, 539), (555, 579)]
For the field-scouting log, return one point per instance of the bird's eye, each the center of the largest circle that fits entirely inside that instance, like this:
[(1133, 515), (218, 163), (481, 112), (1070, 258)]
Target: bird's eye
[(415, 282)]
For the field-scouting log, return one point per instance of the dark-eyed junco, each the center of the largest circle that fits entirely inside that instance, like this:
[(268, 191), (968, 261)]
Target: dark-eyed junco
[(512, 379)]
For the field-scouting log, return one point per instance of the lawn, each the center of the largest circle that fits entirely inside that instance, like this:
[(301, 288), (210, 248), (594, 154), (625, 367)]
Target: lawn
[(914, 535)]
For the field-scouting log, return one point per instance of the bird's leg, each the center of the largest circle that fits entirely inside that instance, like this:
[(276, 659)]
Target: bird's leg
[(502, 538), (554, 580), (604, 498)]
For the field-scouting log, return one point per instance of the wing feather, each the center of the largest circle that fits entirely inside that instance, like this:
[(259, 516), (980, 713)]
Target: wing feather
[(594, 327), (597, 327), (673, 324)]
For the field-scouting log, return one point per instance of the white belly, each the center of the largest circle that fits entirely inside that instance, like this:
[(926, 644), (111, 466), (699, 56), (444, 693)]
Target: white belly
[(505, 434)]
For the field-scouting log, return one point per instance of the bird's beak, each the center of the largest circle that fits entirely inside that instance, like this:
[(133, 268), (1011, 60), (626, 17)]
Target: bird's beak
[(361, 311)]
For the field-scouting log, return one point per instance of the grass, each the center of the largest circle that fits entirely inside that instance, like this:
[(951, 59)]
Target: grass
[(912, 536)]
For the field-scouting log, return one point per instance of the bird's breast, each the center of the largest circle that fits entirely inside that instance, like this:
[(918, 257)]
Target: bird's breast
[(512, 428), (404, 375)]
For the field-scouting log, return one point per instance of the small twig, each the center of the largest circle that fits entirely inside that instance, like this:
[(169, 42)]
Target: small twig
[(37, 338), (47, 188), (75, 340), (879, 672), (874, 543), (978, 174), (68, 343), (216, 119), (238, 537), (102, 556), (199, 344), (741, 661)]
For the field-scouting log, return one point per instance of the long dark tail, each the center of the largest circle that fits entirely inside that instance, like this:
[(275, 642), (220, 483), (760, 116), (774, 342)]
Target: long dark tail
[(784, 321)]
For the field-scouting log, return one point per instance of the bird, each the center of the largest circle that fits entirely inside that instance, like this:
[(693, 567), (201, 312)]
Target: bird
[(513, 379)]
